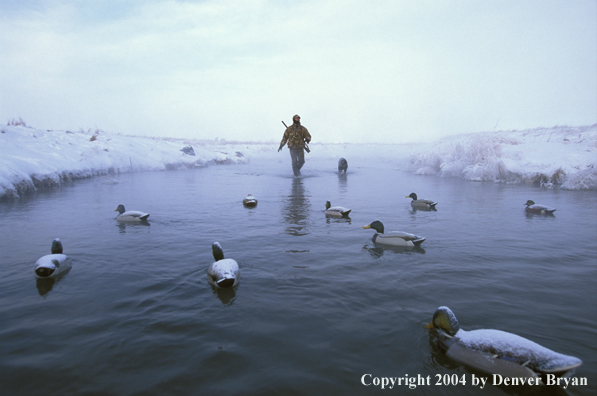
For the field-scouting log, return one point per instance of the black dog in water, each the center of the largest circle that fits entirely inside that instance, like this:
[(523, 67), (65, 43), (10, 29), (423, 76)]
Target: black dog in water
[(342, 165)]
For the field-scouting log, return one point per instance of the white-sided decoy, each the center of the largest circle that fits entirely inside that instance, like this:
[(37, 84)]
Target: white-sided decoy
[(250, 201), (393, 238), (498, 352), (532, 207), (336, 211), (223, 272), (424, 204), (130, 216), (53, 264)]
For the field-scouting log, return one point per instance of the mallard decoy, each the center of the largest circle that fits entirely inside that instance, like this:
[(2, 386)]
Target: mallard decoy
[(336, 211), (130, 216), (393, 238), (421, 203), (250, 201), (223, 272), (532, 207), (342, 165), (53, 264), (498, 352)]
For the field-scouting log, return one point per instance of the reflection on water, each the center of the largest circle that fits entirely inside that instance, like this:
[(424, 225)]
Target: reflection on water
[(45, 285), (138, 301), (414, 209), (296, 209), (330, 219), (122, 226), (342, 182), (376, 251), (531, 215), (226, 296)]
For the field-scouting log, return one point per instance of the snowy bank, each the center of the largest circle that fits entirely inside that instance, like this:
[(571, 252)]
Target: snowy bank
[(560, 156), (32, 158)]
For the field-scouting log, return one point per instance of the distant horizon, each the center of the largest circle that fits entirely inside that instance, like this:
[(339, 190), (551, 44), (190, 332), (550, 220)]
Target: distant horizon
[(356, 71), (562, 156), (20, 122)]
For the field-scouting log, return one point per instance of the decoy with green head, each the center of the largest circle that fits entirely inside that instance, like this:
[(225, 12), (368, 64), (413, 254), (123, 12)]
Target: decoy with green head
[(423, 204), (498, 352), (532, 207), (336, 211), (393, 238), (130, 216)]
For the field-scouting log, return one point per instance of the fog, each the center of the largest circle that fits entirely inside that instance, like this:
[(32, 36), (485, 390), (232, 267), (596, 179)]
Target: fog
[(561, 157), (356, 71)]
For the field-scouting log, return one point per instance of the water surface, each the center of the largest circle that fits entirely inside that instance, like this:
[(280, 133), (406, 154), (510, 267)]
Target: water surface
[(318, 305)]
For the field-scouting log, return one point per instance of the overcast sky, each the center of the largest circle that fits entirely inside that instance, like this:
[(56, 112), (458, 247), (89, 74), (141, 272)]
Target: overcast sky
[(355, 70)]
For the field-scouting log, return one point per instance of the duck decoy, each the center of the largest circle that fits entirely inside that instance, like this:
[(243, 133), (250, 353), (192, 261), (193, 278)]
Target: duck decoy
[(532, 207), (498, 352), (393, 238), (336, 211), (53, 264), (223, 272), (424, 204), (250, 201), (130, 216)]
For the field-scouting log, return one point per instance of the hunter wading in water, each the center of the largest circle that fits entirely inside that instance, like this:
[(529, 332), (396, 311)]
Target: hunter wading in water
[(297, 136)]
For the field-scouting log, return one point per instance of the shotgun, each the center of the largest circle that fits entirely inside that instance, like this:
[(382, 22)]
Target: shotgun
[(306, 145)]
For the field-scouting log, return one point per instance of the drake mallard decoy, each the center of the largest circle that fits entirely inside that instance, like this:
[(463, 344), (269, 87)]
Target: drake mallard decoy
[(223, 272), (131, 216), (336, 211), (421, 203), (498, 352), (250, 201), (53, 264), (342, 165), (394, 238), (532, 207)]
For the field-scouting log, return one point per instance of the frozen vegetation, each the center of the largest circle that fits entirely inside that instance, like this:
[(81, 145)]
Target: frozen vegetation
[(560, 156)]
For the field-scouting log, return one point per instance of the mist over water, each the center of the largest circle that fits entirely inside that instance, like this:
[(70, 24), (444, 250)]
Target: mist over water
[(318, 304)]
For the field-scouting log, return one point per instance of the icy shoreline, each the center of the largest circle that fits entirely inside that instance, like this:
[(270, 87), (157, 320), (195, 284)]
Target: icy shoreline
[(561, 156), (33, 158)]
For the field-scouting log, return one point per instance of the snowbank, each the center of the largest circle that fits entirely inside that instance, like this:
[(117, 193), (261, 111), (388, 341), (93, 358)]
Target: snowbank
[(560, 156), (563, 156), (32, 158)]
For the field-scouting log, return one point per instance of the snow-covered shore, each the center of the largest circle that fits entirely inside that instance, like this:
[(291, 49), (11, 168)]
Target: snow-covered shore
[(560, 156), (33, 158)]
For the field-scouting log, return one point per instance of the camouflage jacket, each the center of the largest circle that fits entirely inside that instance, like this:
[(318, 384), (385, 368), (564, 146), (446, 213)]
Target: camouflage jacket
[(296, 136)]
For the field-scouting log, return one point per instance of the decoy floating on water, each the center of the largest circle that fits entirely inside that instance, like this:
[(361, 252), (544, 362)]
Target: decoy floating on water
[(424, 204), (250, 201), (498, 352), (336, 211), (130, 216), (393, 238), (342, 165), (532, 207), (53, 264), (223, 272)]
